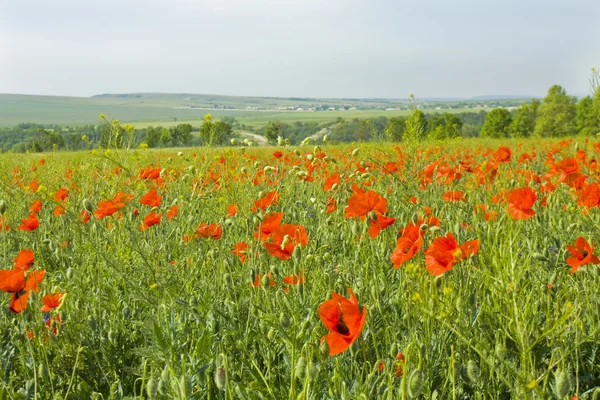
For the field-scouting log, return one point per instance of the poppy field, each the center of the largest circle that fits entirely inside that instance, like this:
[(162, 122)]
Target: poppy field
[(455, 270)]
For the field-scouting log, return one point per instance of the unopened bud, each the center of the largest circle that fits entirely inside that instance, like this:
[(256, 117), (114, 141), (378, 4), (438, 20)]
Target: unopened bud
[(220, 378)]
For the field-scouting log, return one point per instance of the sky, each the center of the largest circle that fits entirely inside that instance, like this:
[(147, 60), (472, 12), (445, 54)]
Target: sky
[(299, 48)]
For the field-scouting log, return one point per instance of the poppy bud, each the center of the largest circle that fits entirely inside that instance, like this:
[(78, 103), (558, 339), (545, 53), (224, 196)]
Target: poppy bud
[(562, 385), (152, 388), (265, 281), (416, 381), (297, 152), (2, 206), (438, 281), (326, 138), (328, 257), (297, 254), (92, 323), (393, 350), (256, 165), (539, 257), (310, 257), (284, 321), (424, 227), (355, 152), (87, 204), (274, 270), (372, 216), (271, 334), (220, 378), (334, 186), (473, 371), (313, 370), (500, 350), (300, 368), (234, 142), (164, 375), (126, 312), (310, 157), (69, 273)]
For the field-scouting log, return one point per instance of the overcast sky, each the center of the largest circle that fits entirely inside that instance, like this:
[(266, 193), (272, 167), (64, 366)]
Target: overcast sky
[(303, 48)]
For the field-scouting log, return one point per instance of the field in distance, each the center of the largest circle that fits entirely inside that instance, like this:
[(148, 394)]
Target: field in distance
[(146, 109)]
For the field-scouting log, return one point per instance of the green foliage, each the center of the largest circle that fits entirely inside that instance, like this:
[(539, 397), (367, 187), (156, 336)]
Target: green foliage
[(497, 124), (274, 130), (395, 128), (215, 132), (556, 115), (586, 121), (523, 123), (153, 136), (415, 126), (181, 135)]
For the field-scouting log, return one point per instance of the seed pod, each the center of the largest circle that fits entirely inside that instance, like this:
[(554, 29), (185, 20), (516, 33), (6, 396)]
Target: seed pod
[(126, 312), (473, 371), (562, 385), (500, 350), (284, 320), (416, 381), (313, 370), (152, 388), (300, 368), (220, 378)]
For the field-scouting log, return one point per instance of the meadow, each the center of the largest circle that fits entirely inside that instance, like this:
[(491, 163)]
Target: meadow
[(462, 269)]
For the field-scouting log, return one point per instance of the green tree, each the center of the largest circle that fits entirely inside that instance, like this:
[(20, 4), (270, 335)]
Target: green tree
[(181, 135), (274, 130), (395, 128), (497, 124), (153, 136), (523, 123), (556, 117), (165, 137), (214, 132), (586, 119)]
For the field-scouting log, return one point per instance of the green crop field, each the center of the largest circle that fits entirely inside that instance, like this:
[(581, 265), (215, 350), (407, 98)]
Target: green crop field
[(464, 269), (168, 110)]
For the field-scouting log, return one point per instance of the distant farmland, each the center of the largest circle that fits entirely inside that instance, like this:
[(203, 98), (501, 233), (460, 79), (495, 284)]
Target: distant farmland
[(146, 109)]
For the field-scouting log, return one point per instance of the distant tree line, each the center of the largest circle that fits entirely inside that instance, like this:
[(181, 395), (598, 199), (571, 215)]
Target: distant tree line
[(110, 134)]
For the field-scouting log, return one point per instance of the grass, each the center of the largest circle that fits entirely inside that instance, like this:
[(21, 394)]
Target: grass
[(161, 110), (161, 314)]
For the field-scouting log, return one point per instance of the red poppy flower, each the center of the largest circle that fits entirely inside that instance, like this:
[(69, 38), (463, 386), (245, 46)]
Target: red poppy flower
[(362, 204), (232, 210), (51, 301), (266, 201), (257, 280), (29, 224), (35, 207), (24, 260), (343, 319), (457, 195), (107, 208), (332, 180), (34, 186), (240, 250), (277, 154), (582, 253), (520, 202), (172, 212), (331, 205), (151, 199), (268, 225), (149, 173), (212, 231), (61, 194), (503, 154), (407, 245), (84, 216), (59, 210), (285, 239), (590, 196), (150, 220), (444, 252), (15, 282), (294, 279)]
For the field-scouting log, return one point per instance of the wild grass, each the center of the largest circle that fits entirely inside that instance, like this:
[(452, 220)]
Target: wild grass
[(150, 315)]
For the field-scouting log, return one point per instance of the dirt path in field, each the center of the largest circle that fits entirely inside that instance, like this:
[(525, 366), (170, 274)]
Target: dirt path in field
[(260, 140), (319, 134)]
